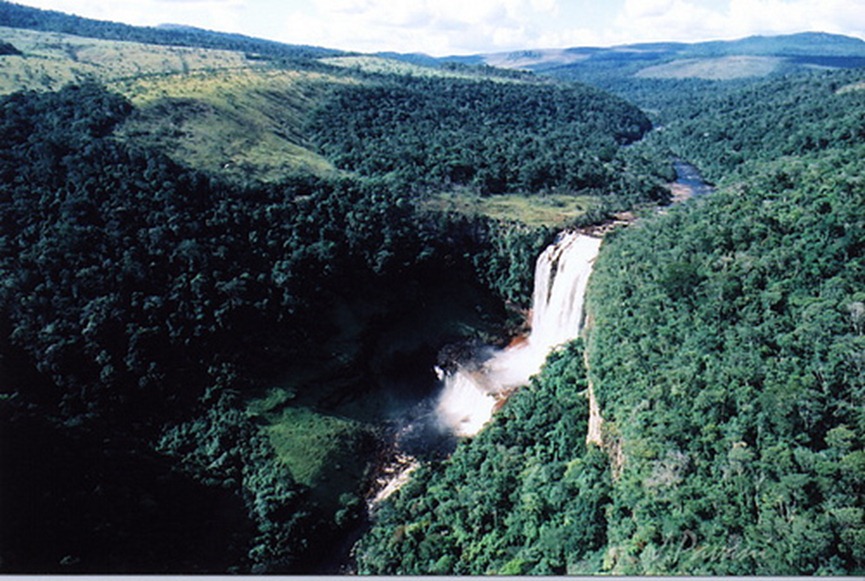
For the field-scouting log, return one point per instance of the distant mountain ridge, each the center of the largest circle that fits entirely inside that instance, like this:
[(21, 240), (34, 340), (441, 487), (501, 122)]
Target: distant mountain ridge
[(718, 60)]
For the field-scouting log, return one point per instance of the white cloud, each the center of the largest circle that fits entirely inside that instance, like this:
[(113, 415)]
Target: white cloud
[(571, 37), (777, 16), (464, 26), (656, 20), (432, 26), (205, 3), (692, 20), (648, 9)]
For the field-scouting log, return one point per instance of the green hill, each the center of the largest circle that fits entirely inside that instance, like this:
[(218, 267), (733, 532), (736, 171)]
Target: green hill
[(216, 110), (235, 115), (17, 16)]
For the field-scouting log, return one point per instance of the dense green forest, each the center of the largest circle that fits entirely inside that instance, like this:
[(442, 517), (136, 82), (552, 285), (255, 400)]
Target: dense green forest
[(751, 312), (493, 136), (138, 300), (726, 353), (734, 128)]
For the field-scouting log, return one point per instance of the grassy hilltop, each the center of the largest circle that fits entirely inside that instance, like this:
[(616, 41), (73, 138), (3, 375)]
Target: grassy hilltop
[(217, 110)]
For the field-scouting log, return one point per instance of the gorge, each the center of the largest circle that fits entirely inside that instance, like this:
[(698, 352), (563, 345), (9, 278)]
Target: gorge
[(476, 388), (473, 390)]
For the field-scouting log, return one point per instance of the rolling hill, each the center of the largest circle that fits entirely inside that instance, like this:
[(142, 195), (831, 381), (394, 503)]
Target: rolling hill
[(755, 56), (245, 116), (18, 16), (216, 109)]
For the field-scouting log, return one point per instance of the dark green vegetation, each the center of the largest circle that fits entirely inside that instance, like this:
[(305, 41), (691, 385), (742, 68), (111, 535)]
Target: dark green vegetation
[(493, 137), (7, 48), (751, 312), (726, 354), (173, 339), (730, 129), (552, 144), (140, 299)]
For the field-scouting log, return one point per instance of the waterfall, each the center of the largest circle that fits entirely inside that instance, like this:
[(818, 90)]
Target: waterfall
[(470, 394)]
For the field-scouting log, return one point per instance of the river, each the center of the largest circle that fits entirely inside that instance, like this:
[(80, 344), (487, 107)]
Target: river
[(689, 182)]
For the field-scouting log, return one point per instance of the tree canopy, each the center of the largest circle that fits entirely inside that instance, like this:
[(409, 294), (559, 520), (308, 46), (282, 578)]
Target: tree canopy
[(493, 136)]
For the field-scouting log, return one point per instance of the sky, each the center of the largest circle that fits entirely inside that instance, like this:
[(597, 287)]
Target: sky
[(452, 27)]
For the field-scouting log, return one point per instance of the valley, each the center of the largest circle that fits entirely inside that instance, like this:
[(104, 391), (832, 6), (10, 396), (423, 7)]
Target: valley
[(233, 269)]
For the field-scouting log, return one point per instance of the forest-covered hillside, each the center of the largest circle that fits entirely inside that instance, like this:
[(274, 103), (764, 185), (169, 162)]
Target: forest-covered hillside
[(725, 349), (144, 305), (424, 132), (736, 129), (433, 130)]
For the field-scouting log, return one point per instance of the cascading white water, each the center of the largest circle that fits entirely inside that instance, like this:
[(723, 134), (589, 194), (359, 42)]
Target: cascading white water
[(464, 406), (469, 396)]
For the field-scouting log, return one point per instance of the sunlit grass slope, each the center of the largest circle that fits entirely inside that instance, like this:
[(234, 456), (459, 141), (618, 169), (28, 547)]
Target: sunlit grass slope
[(325, 452), (52, 60), (717, 69), (552, 210), (246, 122), (213, 110)]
